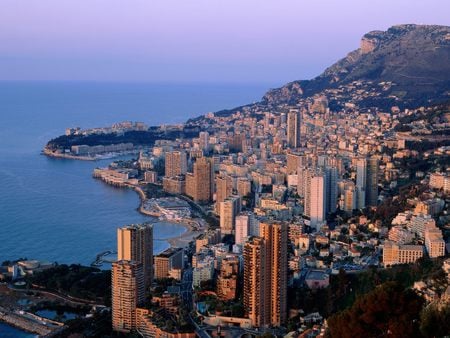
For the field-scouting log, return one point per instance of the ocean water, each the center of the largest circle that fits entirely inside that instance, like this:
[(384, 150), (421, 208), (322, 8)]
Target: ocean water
[(7, 331), (52, 209)]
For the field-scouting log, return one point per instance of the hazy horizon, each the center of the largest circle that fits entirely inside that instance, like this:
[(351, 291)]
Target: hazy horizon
[(270, 42)]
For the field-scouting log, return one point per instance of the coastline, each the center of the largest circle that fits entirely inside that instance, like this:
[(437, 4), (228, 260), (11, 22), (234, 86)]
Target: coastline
[(25, 324), (50, 153), (184, 239), (23, 329), (181, 241), (97, 157)]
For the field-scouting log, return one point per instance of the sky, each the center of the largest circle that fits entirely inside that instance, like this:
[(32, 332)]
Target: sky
[(217, 41)]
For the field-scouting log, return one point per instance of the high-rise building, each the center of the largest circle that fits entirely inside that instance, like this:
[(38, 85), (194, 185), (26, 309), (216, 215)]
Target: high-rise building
[(242, 223), (293, 129), (294, 161), (361, 182), (265, 275), (176, 163), (372, 182), (367, 181), (254, 281), (228, 211), (167, 261), (235, 142), (228, 277), (244, 186), (275, 236), (174, 184), (128, 292), (204, 140), (350, 196), (200, 184), (315, 199), (303, 176), (331, 174), (304, 187), (135, 243), (224, 188)]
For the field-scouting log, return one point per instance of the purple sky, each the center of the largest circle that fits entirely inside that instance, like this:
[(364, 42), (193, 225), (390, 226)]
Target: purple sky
[(266, 41)]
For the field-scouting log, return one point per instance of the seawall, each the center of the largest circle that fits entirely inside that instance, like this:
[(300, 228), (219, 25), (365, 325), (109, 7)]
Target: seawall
[(26, 324)]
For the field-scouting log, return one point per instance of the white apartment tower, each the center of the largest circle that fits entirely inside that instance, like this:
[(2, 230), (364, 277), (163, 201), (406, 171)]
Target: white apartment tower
[(317, 200)]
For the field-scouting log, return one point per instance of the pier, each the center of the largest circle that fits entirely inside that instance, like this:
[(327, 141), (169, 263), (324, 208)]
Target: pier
[(99, 259), (31, 323)]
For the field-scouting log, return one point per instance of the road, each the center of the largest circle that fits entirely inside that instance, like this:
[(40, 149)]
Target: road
[(186, 295), (186, 288)]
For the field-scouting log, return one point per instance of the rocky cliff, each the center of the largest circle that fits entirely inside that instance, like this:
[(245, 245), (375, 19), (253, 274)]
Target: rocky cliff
[(415, 58)]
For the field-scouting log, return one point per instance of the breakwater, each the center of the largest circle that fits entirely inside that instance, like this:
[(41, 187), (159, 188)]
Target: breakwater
[(30, 324)]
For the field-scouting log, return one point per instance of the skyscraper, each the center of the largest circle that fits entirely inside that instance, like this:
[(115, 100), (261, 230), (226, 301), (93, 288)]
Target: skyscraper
[(135, 243), (200, 184), (315, 197), (204, 140), (254, 281), (331, 186), (293, 129), (224, 188), (350, 195), (228, 211), (361, 178), (265, 275), (302, 181), (242, 223), (176, 163), (372, 182), (367, 181), (305, 188), (275, 236), (127, 284)]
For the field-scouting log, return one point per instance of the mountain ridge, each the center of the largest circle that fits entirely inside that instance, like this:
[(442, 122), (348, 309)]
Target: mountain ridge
[(414, 58)]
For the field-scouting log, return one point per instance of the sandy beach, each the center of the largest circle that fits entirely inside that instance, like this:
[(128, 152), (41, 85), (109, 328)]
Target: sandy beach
[(194, 228), (184, 240)]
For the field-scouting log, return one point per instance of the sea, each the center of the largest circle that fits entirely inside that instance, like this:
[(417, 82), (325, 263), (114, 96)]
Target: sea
[(7, 331), (52, 209)]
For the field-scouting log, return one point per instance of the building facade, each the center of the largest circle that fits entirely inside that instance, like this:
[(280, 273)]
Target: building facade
[(176, 163), (168, 260), (293, 129), (128, 292), (400, 254), (265, 275), (200, 183), (135, 243)]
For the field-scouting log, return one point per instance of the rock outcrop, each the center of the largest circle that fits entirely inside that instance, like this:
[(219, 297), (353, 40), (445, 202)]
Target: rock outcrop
[(414, 58)]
